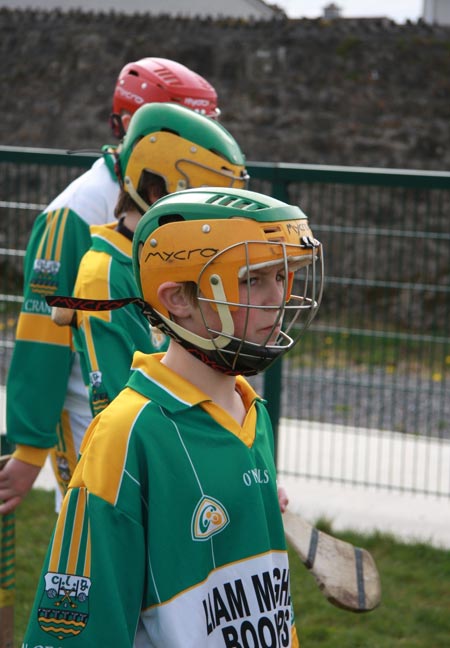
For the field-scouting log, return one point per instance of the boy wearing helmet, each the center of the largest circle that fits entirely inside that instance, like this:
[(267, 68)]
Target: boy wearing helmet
[(159, 80), (166, 147), (171, 528), (43, 366)]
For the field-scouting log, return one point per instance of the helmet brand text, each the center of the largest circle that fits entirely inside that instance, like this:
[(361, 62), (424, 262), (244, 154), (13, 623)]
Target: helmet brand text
[(183, 255), (130, 95), (299, 227), (197, 103)]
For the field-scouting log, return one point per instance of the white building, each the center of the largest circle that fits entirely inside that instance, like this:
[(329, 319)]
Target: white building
[(331, 11), (436, 12), (244, 9)]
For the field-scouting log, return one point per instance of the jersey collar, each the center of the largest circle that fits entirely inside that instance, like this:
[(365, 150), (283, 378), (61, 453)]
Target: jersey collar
[(160, 384)]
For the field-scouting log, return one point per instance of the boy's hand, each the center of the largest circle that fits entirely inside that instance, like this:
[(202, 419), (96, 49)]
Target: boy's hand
[(283, 498), (16, 480)]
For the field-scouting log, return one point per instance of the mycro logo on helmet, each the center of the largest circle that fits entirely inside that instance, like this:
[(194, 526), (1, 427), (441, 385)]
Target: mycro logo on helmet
[(197, 103), (130, 95), (182, 255), (300, 227)]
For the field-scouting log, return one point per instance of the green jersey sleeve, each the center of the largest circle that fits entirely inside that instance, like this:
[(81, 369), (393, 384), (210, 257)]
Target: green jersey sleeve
[(106, 341), (42, 355), (89, 589)]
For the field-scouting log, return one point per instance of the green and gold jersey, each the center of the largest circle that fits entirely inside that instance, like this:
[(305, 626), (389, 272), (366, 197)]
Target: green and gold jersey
[(39, 378), (170, 535), (107, 340)]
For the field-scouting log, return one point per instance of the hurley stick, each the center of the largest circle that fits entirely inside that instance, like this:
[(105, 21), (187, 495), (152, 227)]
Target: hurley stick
[(7, 575), (346, 575), (62, 316)]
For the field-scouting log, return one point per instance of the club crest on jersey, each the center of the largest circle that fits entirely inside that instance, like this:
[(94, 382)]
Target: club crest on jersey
[(209, 518), (95, 378), (64, 607), (63, 467), (44, 280)]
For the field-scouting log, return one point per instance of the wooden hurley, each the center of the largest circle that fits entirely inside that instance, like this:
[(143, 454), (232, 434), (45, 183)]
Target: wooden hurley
[(7, 575), (347, 575)]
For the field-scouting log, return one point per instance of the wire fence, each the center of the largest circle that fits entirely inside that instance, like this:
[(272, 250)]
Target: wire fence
[(364, 398)]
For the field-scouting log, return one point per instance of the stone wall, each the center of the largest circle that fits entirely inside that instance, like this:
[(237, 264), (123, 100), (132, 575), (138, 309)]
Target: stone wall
[(352, 92)]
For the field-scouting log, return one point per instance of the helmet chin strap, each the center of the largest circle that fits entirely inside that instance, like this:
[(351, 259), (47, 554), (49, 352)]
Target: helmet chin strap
[(140, 202), (116, 124)]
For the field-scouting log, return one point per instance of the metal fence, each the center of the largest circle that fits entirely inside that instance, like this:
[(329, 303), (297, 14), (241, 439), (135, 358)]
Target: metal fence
[(364, 398)]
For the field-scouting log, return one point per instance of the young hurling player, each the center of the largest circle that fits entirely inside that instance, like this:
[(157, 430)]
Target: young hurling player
[(171, 532), (47, 404), (167, 147)]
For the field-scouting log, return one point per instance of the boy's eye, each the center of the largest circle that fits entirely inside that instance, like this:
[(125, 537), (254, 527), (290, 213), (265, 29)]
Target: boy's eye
[(252, 280), (249, 280)]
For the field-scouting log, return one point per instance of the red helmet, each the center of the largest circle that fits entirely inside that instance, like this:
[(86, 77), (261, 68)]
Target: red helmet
[(154, 79)]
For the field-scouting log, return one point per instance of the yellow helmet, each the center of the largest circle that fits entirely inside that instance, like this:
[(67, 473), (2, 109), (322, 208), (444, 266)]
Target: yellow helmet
[(215, 237), (183, 147)]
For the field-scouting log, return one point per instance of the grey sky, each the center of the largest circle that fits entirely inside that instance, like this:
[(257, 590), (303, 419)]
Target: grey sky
[(398, 10)]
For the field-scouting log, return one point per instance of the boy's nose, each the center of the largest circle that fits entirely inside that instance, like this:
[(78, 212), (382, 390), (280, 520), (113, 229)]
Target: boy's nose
[(274, 294)]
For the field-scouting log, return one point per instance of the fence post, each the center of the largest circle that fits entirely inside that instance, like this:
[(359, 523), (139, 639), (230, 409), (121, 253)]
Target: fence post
[(272, 377), (272, 391)]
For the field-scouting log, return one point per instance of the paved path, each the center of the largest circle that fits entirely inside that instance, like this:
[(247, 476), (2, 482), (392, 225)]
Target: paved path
[(408, 517), (400, 463), (325, 449)]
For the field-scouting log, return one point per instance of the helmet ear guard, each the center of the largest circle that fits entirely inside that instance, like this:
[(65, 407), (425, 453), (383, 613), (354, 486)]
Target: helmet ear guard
[(116, 125), (204, 247)]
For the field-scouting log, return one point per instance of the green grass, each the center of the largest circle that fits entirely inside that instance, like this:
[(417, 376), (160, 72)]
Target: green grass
[(396, 354), (35, 519), (415, 597), (415, 580)]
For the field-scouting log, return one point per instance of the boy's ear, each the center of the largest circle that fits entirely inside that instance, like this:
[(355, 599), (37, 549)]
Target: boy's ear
[(173, 296), (154, 194), (125, 118)]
